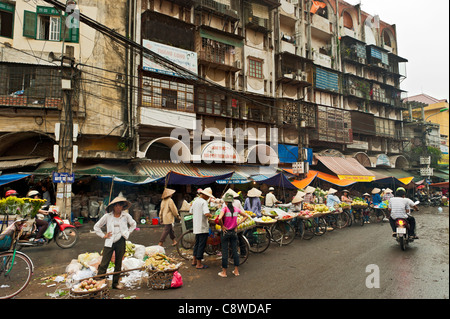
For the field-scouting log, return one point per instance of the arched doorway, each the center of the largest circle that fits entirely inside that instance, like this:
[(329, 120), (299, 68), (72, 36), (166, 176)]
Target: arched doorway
[(166, 149)]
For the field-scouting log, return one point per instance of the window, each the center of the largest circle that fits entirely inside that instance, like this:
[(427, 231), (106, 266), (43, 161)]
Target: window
[(211, 103), (6, 20), (167, 94), (49, 24), (255, 68), (21, 79), (348, 21)]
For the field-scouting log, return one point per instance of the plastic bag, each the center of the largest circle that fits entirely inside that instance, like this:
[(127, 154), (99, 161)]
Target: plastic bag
[(139, 251), (50, 231), (152, 250), (177, 281), (131, 263)]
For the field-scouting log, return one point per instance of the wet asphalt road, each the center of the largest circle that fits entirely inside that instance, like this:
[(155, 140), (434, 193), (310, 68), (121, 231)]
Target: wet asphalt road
[(352, 263)]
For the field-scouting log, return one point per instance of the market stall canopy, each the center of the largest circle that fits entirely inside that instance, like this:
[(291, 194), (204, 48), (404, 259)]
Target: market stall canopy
[(313, 174), (9, 178), (215, 170), (346, 168), (135, 180), (384, 176), (442, 174), (442, 184), (174, 178), (256, 173), (279, 180), (302, 184)]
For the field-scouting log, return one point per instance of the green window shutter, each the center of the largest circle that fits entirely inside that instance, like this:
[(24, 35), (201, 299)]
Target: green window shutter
[(70, 34), (29, 24)]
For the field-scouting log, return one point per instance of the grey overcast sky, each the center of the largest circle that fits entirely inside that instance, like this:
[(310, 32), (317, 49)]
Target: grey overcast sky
[(423, 39)]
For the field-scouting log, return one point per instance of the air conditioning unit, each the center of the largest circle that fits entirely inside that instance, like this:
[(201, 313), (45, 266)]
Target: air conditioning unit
[(362, 60), (303, 76), (237, 64), (289, 75)]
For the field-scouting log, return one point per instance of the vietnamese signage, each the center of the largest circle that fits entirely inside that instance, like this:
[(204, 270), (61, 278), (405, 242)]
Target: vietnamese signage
[(183, 58), (219, 151), (63, 177)]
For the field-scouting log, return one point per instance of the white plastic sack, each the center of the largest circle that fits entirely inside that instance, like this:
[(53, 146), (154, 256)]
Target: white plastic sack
[(153, 250), (139, 251), (131, 263), (83, 274), (73, 267)]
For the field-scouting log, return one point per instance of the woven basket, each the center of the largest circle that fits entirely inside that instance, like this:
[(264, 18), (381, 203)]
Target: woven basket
[(159, 280), (102, 293)]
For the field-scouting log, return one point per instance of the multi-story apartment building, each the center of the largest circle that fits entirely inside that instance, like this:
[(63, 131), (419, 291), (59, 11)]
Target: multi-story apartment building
[(325, 74), (329, 76)]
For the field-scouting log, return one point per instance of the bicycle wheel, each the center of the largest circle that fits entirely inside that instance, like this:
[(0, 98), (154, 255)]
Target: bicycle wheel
[(258, 239), (320, 226), (350, 217), (341, 220), (15, 273), (185, 245), (283, 233), (243, 250), (331, 222), (308, 229)]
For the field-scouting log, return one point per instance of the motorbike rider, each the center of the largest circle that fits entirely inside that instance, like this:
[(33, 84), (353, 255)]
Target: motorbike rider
[(399, 207), (41, 224)]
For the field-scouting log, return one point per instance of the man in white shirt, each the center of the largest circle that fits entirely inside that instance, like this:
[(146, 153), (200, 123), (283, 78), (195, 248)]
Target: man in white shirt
[(399, 207), (271, 200), (200, 213)]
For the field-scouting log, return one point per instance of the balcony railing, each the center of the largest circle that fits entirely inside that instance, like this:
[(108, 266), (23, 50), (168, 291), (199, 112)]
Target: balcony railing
[(217, 7)]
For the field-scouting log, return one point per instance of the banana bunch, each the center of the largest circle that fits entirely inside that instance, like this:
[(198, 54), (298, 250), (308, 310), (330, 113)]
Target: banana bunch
[(130, 249), (160, 262)]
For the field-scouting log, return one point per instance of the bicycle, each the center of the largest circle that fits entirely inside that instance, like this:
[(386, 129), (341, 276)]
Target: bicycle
[(186, 242), (313, 226), (16, 268), (337, 220)]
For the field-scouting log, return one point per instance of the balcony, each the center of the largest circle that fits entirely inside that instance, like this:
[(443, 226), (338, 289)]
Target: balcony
[(258, 24), (322, 59), (320, 27), (217, 8), (226, 62), (30, 102)]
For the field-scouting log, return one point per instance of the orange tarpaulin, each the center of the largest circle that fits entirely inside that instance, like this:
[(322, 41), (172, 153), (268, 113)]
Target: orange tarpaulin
[(312, 174), (316, 5)]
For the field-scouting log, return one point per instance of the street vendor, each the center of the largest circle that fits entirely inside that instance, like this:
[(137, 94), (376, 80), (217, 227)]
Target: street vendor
[(271, 200), (387, 194), (119, 225), (41, 224), (309, 195), (296, 203), (236, 202), (376, 198), (253, 202), (332, 199), (200, 213), (366, 212), (167, 215), (345, 198)]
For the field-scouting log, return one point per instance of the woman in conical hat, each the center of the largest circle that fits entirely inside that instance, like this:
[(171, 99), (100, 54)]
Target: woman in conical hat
[(115, 237), (253, 202), (167, 214)]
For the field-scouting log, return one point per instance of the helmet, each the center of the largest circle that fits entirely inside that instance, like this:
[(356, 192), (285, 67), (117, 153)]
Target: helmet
[(401, 189), (32, 193), (11, 192)]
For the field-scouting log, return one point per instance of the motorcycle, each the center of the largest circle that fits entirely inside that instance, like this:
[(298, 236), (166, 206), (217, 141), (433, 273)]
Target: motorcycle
[(64, 234), (402, 231), (436, 201)]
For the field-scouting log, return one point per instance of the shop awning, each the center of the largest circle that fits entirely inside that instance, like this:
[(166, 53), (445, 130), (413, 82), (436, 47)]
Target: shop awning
[(215, 170), (9, 178), (386, 176), (10, 162), (441, 175), (256, 173), (279, 180), (346, 168), (442, 184), (135, 180), (174, 178), (159, 169)]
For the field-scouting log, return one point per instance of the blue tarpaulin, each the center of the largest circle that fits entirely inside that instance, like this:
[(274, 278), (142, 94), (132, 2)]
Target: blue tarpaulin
[(173, 178), (279, 180), (289, 154), (5, 179), (127, 182)]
